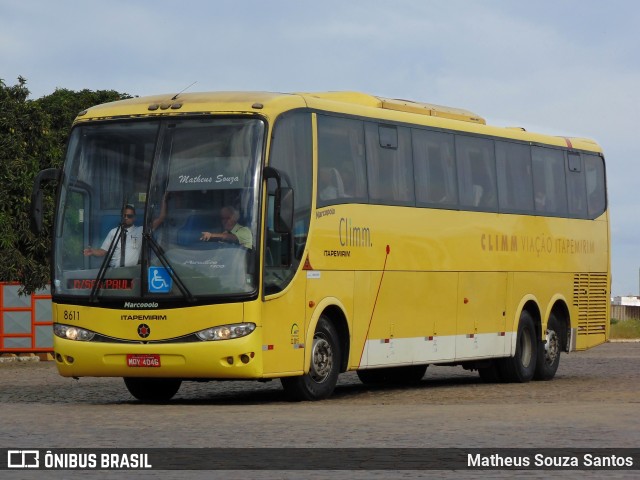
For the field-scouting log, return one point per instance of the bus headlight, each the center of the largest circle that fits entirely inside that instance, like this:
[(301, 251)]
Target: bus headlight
[(72, 333), (226, 332)]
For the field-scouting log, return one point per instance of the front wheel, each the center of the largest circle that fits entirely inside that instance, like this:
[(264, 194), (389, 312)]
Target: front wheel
[(323, 373), (521, 367), (549, 351), (153, 390)]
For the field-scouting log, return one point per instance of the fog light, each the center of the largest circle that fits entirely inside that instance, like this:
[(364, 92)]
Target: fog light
[(244, 358), (230, 360), (70, 359)]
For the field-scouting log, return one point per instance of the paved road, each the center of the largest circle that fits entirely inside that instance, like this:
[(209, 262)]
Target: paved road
[(593, 402)]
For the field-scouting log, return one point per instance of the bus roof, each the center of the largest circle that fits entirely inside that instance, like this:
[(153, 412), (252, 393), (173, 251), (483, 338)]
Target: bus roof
[(271, 104)]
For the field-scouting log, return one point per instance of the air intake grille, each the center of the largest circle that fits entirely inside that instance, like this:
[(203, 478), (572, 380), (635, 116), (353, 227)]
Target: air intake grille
[(591, 297)]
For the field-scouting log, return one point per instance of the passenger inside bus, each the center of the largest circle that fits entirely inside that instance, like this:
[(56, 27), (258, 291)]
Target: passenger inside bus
[(127, 250), (330, 184)]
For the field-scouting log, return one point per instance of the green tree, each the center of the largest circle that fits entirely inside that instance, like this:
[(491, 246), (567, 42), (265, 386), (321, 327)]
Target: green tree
[(33, 135)]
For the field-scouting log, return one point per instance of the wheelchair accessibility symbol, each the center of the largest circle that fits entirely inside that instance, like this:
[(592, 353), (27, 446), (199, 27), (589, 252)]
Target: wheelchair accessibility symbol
[(159, 280)]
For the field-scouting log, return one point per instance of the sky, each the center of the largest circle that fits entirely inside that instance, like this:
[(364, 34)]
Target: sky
[(563, 67)]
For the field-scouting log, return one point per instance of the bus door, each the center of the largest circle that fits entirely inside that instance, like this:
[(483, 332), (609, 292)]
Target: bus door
[(284, 290), (284, 281)]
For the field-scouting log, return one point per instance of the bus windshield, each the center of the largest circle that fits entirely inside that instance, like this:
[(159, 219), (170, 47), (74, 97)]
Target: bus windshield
[(159, 209)]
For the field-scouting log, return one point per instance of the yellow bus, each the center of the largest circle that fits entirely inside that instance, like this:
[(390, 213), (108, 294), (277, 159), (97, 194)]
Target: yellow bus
[(297, 236)]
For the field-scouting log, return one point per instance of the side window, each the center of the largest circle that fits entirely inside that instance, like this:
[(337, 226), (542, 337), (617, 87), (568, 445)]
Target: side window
[(389, 164), (434, 169), (515, 179), (595, 183), (291, 154), (576, 188), (342, 176), (549, 186), (476, 173)]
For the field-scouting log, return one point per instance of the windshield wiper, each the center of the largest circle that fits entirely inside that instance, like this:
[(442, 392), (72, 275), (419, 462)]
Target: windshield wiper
[(157, 249), (105, 264)]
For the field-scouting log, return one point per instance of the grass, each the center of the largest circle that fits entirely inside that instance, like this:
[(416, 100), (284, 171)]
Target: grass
[(621, 329)]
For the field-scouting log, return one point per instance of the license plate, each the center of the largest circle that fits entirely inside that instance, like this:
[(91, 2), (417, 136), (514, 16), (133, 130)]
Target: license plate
[(150, 360)]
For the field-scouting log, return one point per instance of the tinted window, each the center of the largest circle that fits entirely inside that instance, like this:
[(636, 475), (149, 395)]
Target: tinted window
[(445, 170), (576, 189), (550, 193), (341, 161), (595, 184), (515, 180), (476, 173), (389, 169), (388, 136), (434, 168)]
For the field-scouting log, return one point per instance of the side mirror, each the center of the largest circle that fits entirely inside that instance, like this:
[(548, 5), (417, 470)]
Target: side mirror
[(283, 210), (37, 197), (36, 211), (283, 206)]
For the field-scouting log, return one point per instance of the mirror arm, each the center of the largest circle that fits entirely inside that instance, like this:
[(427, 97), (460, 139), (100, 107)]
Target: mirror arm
[(270, 172)]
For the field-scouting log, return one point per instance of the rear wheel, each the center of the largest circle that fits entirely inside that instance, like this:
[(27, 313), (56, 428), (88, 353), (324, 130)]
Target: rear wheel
[(393, 375), (521, 367), (323, 373), (549, 351), (152, 390)]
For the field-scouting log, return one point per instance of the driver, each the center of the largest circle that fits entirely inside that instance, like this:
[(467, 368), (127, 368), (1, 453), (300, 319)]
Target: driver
[(232, 232)]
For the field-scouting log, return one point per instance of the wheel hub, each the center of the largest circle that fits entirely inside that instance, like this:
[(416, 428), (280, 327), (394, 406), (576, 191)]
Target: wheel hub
[(321, 359), (551, 347)]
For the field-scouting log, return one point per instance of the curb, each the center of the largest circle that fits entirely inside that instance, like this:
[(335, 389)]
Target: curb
[(25, 358)]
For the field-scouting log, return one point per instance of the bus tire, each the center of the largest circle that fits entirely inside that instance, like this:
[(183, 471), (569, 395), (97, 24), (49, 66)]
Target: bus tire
[(408, 375), (152, 390), (549, 352), (521, 367), (321, 380)]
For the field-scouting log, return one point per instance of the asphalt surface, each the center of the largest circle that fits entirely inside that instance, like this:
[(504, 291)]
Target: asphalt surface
[(594, 402)]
